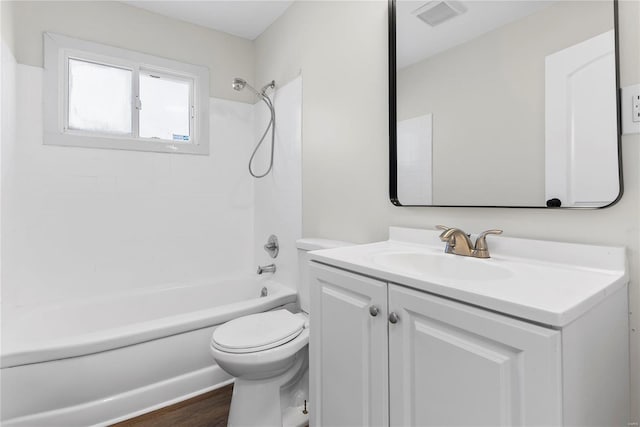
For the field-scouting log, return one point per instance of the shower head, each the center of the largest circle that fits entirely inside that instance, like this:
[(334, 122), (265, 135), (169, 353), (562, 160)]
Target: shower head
[(239, 84)]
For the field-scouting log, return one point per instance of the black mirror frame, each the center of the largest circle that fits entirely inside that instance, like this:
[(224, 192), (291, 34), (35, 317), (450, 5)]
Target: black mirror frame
[(393, 118)]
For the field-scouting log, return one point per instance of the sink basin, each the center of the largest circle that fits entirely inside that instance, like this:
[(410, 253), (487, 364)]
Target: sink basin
[(551, 283), (443, 265)]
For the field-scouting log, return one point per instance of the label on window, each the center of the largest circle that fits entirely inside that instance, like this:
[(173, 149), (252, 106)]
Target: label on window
[(180, 137)]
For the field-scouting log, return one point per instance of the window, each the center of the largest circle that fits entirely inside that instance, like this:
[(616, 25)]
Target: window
[(99, 98), (165, 107), (104, 97)]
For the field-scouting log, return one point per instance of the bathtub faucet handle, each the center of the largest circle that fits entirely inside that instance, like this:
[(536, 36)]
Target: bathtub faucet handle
[(271, 268), (272, 247)]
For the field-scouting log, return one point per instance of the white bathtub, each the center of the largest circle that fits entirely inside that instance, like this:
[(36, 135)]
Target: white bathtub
[(97, 361)]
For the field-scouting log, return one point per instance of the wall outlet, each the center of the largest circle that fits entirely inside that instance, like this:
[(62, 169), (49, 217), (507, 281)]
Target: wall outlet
[(630, 106)]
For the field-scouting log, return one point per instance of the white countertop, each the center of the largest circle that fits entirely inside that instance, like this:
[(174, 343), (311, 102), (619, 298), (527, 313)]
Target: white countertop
[(552, 283)]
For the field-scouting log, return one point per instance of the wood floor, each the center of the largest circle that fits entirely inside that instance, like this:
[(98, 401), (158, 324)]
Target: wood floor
[(207, 410)]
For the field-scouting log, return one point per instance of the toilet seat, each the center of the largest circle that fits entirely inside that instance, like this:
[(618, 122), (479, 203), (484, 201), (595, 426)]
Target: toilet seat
[(257, 332)]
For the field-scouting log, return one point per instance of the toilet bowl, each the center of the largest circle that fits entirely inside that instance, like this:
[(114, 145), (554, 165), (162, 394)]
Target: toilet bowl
[(268, 354)]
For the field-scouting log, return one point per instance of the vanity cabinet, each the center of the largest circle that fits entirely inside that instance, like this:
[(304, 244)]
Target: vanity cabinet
[(348, 349), (383, 354), (451, 364)]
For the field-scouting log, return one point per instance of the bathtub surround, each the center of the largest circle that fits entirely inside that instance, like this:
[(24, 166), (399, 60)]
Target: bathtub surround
[(90, 221), (345, 152), (151, 218), (88, 224), (278, 196), (81, 222)]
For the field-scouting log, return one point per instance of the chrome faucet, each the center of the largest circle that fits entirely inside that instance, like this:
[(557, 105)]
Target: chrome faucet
[(271, 268), (459, 243)]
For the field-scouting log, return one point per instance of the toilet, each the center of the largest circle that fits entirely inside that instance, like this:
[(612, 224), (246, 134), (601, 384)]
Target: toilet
[(268, 354)]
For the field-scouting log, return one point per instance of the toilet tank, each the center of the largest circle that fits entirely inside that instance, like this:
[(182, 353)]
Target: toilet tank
[(304, 246)]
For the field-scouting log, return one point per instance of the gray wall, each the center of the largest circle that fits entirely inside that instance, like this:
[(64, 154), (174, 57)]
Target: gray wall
[(6, 24), (341, 48), (128, 27)]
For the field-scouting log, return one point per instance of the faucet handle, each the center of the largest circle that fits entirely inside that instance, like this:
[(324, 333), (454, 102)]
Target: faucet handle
[(444, 229), (481, 243)]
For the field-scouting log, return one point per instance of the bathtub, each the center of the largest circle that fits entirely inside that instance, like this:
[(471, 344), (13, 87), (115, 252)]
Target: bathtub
[(105, 359)]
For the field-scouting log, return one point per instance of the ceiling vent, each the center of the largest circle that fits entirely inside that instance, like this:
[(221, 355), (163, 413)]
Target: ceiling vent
[(436, 12)]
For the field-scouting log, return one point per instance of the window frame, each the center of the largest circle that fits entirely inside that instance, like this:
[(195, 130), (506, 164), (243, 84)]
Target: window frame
[(59, 49)]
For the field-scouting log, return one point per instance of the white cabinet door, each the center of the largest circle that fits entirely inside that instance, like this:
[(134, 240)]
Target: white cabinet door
[(451, 365), (348, 349)]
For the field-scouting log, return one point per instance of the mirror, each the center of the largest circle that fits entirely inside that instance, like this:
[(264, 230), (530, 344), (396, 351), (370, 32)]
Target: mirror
[(509, 103)]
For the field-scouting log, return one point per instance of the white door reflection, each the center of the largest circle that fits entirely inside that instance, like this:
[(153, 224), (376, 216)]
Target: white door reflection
[(414, 157), (580, 113)]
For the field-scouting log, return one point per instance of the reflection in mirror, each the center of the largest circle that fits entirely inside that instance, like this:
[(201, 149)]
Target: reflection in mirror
[(505, 103)]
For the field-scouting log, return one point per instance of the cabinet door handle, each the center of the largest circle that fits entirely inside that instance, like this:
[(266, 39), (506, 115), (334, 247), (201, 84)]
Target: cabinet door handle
[(393, 318), (373, 310)]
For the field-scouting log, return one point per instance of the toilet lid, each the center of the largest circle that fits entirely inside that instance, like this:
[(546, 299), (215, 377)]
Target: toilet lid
[(257, 332)]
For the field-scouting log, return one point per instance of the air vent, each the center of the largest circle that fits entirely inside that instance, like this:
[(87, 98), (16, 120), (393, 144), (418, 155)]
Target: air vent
[(436, 12)]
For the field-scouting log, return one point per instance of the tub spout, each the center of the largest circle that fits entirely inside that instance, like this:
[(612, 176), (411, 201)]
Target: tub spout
[(271, 268)]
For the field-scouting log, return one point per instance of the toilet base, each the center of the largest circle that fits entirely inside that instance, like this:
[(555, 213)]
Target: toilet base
[(272, 402)]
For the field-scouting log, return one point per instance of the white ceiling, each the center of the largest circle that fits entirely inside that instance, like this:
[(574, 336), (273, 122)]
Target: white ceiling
[(242, 18), (416, 40)]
